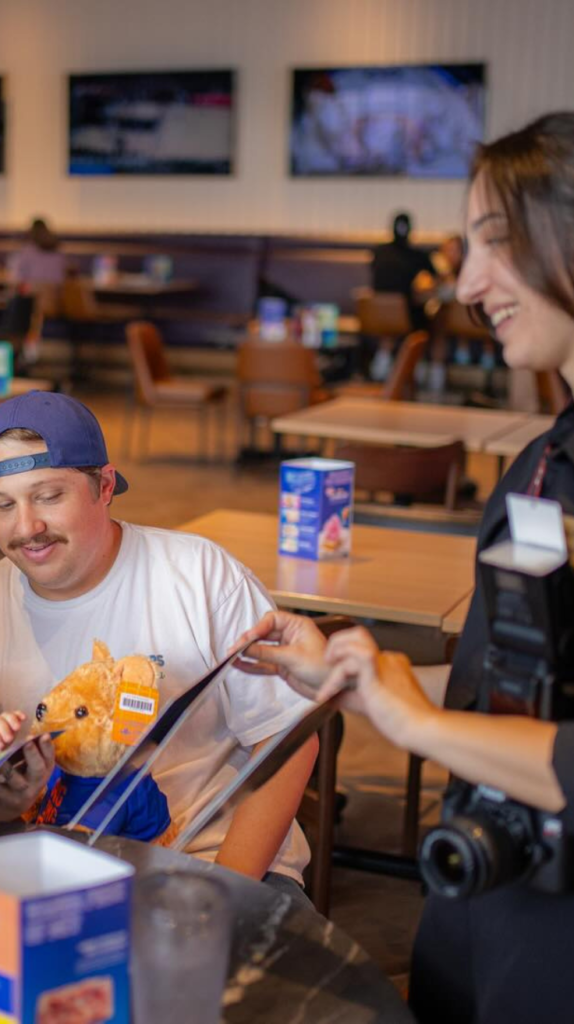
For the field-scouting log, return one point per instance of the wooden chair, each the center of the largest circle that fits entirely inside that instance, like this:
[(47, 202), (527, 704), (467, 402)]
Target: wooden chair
[(79, 304), (274, 379), (382, 314), (411, 474), (454, 320), (410, 839), (553, 395), (155, 387), (400, 385), (317, 810)]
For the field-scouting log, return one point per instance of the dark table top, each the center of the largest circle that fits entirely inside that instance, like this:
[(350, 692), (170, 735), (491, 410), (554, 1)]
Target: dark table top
[(286, 964)]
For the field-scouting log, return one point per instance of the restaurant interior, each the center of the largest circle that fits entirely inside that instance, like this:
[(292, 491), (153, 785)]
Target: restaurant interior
[(216, 185)]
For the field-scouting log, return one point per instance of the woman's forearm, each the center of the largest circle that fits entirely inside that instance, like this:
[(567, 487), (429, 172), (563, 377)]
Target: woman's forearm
[(510, 753)]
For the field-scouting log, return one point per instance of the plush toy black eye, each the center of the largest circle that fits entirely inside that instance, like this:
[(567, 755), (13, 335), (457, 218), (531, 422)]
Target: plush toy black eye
[(81, 712), (41, 711)]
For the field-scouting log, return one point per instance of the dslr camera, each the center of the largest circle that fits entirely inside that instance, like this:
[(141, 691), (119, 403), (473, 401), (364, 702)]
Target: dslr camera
[(486, 839)]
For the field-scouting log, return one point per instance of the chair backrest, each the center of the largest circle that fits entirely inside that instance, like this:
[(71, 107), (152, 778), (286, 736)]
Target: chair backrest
[(552, 391), (77, 300), (400, 384), (454, 319), (275, 378), (382, 314), (148, 358), (49, 300), (420, 474)]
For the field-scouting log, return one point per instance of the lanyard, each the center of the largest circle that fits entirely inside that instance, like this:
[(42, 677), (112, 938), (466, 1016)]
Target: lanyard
[(535, 485)]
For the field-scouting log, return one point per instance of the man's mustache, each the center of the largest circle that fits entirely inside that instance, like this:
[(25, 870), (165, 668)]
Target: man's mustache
[(39, 539)]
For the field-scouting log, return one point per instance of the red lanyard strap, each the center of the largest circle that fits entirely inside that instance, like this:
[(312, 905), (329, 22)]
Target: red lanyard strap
[(535, 485)]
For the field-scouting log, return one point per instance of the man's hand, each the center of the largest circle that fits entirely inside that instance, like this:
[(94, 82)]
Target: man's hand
[(19, 788), (10, 724), (287, 645)]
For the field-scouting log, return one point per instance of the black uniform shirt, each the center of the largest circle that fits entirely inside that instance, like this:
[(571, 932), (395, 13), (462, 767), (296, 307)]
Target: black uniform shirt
[(558, 485)]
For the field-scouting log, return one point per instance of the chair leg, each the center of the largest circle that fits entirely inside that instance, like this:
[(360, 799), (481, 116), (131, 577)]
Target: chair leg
[(412, 807), (145, 430), (130, 416), (327, 778), (202, 433), (221, 414)]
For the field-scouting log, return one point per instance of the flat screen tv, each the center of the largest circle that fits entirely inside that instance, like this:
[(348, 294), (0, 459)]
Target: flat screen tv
[(158, 122), (2, 126), (420, 121)]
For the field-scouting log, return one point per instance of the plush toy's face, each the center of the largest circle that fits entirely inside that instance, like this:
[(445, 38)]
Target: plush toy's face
[(82, 704)]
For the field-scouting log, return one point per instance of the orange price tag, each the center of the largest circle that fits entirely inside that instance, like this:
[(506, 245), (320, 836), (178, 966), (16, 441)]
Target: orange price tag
[(135, 709)]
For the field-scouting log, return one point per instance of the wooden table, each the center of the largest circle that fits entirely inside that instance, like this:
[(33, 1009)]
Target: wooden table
[(513, 441), (418, 424), (143, 285), (391, 575), (456, 618), (22, 385)]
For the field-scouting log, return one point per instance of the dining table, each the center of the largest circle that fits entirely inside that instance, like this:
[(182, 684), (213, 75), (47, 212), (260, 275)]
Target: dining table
[(391, 575), (287, 964), (415, 424)]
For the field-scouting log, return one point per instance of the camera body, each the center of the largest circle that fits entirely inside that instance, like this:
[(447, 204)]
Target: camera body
[(485, 838)]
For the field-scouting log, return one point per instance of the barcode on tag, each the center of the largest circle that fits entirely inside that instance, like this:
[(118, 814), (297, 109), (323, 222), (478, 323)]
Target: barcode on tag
[(135, 709), (142, 704)]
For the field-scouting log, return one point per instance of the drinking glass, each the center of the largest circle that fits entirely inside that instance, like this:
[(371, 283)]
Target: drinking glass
[(180, 948)]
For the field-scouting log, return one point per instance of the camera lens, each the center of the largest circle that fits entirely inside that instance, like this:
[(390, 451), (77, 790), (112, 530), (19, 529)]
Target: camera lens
[(469, 856)]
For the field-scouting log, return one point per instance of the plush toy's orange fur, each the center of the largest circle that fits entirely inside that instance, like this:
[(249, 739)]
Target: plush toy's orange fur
[(83, 704)]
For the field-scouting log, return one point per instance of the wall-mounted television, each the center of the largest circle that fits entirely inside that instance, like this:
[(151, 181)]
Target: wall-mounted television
[(420, 121), (2, 127), (157, 122)]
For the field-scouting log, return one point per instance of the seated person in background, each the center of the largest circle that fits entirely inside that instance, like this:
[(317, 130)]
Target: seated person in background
[(72, 573), (433, 290), (39, 262), (37, 273), (394, 268)]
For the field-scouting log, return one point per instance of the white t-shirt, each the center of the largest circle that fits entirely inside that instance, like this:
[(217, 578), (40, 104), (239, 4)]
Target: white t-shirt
[(182, 601)]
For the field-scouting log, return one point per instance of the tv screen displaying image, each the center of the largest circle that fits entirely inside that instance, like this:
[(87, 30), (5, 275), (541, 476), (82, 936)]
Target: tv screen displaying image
[(168, 122), (2, 126), (422, 121)]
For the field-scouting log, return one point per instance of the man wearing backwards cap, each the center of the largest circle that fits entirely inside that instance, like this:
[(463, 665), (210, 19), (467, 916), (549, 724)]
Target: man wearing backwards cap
[(72, 573)]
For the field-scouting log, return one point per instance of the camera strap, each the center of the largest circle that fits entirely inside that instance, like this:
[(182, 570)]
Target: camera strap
[(535, 486)]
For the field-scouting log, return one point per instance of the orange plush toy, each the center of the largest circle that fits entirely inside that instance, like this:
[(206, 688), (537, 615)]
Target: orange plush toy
[(83, 705)]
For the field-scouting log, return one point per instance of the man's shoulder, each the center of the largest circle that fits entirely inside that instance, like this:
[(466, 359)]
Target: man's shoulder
[(183, 548)]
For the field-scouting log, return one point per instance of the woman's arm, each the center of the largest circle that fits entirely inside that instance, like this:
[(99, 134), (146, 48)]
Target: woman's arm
[(513, 754), (510, 753)]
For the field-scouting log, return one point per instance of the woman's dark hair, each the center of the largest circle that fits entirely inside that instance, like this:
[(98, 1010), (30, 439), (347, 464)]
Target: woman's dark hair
[(531, 174), (42, 236)]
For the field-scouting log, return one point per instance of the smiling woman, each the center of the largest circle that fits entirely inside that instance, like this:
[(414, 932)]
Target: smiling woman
[(519, 267), (504, 954)]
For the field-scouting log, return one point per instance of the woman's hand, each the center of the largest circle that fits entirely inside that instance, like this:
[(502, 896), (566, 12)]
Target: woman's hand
[(287, 645), (385, 688), (10, 725)]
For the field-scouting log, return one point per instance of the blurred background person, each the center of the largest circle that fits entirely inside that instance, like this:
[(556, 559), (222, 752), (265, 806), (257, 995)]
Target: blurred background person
[(394, 268), (36, 273)]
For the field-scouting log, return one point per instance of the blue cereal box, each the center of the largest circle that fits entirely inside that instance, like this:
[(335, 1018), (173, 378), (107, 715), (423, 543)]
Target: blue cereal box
[(64, 941), (316, 508)]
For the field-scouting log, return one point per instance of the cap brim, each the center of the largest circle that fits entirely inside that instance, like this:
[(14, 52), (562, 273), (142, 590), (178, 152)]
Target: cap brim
[(121, 484)]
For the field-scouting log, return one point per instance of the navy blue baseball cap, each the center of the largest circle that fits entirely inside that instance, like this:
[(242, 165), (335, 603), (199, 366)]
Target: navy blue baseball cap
[(72, 434)]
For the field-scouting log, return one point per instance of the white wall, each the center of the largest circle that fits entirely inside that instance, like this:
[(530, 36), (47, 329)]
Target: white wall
[(526, 43)]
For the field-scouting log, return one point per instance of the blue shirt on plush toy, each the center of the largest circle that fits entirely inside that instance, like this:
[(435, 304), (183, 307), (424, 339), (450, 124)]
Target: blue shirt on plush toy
[(144, 815)]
